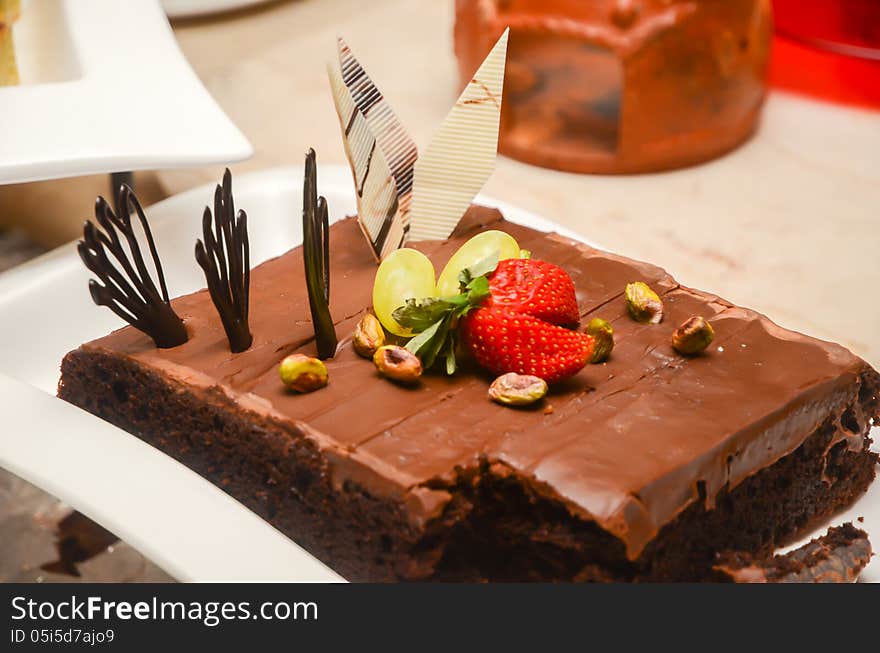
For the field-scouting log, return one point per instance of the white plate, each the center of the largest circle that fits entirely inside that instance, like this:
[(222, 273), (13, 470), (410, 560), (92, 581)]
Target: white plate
[(193, 8), (46, 311), (105, 88)]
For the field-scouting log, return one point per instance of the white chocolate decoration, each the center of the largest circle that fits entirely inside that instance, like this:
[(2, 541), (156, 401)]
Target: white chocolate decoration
[(393, 140), (462, 153), (400, 196), (374, 184)]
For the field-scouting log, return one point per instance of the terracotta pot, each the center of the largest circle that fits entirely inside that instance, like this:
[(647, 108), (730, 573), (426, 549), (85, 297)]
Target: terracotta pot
[(622, 86)]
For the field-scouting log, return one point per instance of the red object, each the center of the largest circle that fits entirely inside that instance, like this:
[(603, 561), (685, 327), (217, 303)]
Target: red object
[(846, 26), (520, 327), (535, 288), (828, 49), (838, 78), (502, 341)]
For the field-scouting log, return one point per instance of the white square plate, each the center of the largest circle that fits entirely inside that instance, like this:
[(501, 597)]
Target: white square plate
[(173, 516), (201, 8), (105, 88)]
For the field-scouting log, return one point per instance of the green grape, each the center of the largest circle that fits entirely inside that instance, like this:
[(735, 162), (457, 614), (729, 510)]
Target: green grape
[(473, 251), (404, 274)]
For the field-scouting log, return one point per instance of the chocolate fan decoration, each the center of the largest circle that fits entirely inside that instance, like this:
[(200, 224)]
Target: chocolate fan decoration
[(225, 258), (128, 288), (316, 256)]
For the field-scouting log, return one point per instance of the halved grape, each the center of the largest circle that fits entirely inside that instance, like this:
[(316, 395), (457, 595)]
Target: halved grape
[(473, 251), (404, 274)]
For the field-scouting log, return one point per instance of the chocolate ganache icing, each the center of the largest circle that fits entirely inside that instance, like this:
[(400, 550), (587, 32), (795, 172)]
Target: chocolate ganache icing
[(628, 444)]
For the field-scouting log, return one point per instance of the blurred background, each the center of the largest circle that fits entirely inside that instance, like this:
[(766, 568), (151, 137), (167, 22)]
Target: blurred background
[(787, 222)]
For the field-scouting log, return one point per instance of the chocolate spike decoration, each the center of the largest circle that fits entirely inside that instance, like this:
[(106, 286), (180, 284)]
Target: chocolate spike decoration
[(225, 258), (126, 286), (316, 257)]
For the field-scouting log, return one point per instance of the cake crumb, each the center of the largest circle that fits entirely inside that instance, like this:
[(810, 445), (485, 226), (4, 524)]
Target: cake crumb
[(861, 520), (548, 409)]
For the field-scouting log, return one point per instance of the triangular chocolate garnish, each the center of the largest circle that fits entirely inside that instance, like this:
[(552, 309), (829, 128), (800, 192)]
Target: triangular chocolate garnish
[(462, 153), (374, 184)]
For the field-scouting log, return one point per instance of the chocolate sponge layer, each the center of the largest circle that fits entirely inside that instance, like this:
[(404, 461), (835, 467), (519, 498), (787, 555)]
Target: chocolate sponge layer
[(497, 524)]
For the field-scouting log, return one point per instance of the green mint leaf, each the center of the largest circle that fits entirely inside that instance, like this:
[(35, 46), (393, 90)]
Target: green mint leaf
[(423, 339), (429, 344), (457, 300), (435, 345), (479, 269), (419, 314), (478, 290), (432, 319), (450, 355), (485, 267)]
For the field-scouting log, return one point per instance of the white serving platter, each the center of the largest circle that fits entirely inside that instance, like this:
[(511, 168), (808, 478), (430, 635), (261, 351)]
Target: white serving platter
[(177, 519), (105, 88), (200, 8)]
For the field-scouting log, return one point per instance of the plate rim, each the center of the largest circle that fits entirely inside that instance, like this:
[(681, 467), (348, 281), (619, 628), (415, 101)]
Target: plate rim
[(207, 8), (93, 131), (18, 281), (333, 176)]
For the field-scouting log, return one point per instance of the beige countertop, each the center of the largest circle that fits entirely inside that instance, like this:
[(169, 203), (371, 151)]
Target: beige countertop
[(789, 224)]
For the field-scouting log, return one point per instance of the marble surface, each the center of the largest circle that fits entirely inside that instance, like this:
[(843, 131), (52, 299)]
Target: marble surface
[(44, 541)]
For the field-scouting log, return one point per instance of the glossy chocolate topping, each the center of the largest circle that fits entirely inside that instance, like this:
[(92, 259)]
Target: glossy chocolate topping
[(628, 443)]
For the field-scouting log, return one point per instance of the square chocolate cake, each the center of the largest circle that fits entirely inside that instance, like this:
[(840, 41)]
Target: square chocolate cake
[(648, 466)]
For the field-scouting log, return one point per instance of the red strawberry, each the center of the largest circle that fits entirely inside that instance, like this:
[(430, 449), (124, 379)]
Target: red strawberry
[(511, 319), (504, 341), (535, 288)]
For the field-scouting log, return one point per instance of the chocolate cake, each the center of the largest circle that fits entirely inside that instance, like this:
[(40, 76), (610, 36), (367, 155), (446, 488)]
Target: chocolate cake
[(645, 467), (836, 557)]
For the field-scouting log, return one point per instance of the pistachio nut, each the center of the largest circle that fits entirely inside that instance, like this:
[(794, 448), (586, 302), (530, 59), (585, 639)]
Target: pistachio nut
[(693, 336), (644, 304), (603, 335), (368, 336), (303, 373), (514, 389), (398, 364)]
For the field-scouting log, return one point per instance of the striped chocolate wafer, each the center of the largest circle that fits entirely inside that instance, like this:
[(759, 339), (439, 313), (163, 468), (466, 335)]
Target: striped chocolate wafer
[(375, 185), (391, 137), (462, 153)]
